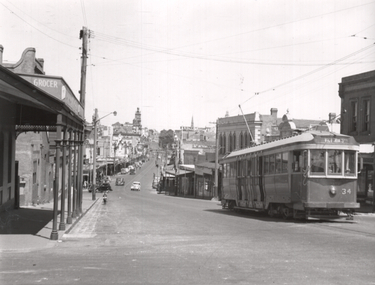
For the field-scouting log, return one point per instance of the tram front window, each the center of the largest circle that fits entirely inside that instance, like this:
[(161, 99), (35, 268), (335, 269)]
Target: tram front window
[(335, 162), (317, 162), (349, 163)]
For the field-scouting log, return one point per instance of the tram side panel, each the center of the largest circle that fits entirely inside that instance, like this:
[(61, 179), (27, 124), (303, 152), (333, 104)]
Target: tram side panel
[(282, 188), (298, 188), (229, 191)]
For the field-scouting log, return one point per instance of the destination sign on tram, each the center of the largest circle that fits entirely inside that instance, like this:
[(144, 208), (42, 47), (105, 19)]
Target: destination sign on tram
[(333, 140)]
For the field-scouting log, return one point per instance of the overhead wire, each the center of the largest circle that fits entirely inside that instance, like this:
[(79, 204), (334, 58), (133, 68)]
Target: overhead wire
[(34, 27), (366, 53)]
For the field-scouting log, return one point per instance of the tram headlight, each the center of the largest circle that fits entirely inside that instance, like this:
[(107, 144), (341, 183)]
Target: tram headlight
[(332, 190)]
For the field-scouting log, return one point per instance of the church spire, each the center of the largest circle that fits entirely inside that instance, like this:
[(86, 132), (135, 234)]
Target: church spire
[(192, 122)]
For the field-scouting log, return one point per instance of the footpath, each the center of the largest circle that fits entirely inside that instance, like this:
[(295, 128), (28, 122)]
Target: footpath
[(29, 228)]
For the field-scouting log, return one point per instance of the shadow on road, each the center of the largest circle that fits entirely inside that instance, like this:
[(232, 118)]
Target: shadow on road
[(24, 221), (262, 216)]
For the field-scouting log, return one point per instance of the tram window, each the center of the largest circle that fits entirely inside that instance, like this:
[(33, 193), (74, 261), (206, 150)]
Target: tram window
[(334, 162), (243, 172), (233, 169), (317, 162), (278, 163), (297, 159), (272, 164), (225, 170), (284, 162), (249, 167), (349, 163), (266, 164)]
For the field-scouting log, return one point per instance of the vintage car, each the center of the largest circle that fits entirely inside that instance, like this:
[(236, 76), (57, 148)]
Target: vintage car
[(136, 186), (105, 186), (120, 181)]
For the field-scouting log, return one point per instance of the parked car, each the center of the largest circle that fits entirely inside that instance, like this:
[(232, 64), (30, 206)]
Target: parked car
[(120, 181), (132, 171), (136, 186)]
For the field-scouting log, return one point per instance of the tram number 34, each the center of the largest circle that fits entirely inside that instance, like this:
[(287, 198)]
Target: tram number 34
[(346, 191)]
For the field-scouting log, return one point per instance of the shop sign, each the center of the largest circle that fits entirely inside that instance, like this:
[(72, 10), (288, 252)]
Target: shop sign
[(56, 87)]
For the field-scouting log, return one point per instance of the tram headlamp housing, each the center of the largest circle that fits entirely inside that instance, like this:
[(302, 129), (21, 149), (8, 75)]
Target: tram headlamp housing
[(332, 190)]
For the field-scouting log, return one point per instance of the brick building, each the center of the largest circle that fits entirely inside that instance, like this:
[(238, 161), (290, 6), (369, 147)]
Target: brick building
[(357, 93)]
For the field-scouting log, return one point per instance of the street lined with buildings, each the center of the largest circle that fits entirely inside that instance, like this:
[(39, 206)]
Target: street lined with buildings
[(141, 237), (261, 197)]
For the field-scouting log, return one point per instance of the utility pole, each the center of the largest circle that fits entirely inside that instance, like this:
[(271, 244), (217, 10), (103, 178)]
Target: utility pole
[(94, 119), (216, 186), (83, 34)]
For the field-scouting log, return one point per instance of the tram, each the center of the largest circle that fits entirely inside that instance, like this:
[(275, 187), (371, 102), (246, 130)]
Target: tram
[(309, 175)]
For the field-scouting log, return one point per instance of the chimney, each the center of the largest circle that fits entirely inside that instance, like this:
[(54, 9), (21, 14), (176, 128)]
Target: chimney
[(274, 113), (1, 54)]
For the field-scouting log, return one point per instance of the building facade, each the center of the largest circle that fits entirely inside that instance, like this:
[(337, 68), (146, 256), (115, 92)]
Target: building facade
[(357, 93), (33, 103)]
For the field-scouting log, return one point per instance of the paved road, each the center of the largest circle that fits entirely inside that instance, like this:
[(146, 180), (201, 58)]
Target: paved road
[(146, 238)]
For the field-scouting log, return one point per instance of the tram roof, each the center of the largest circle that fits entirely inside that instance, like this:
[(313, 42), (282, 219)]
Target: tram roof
[(304, 137)]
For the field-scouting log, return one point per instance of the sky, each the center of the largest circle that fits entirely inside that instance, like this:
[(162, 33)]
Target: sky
[(180, 60)]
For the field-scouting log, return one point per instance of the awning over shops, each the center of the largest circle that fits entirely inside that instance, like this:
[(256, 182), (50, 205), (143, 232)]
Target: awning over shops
[(36, 110), (178, 172)]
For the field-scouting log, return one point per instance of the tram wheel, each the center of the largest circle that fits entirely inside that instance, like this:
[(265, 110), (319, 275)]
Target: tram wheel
[(286, 213), (231, 205), (271, 211)]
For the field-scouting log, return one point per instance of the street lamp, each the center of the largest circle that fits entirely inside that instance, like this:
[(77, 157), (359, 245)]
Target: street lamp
[(95, 120)]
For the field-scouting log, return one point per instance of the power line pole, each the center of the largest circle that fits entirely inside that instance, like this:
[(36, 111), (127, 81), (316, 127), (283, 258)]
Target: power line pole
[(94, 120), (83, 34), (216, 186)]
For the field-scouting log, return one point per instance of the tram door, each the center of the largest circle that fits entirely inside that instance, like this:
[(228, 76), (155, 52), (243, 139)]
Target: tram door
[(298, 176)]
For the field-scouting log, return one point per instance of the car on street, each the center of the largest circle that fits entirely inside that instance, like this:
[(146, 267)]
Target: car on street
[(136, 186), (120, 181), (105, 186)]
